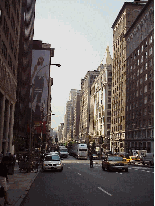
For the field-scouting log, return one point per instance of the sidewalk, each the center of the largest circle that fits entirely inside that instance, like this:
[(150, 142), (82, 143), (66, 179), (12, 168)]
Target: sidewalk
[(19, 185)]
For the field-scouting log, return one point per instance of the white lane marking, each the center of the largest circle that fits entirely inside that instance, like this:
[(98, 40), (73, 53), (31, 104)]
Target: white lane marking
[(147, 171), (104, 191), (143, 170), (79, 174), (120, 173), (116, 172), (77, 162), (69, 167)]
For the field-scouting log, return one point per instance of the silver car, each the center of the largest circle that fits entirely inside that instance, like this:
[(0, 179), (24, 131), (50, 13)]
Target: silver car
[(52, 162)]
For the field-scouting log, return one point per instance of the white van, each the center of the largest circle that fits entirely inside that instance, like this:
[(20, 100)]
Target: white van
[(148, 159)]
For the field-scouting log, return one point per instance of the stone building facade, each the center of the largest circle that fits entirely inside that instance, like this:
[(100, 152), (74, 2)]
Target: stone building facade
[(100, 103), (140, 82), (72, 98), (86, 84), (122, 23), (67, 120), (22, 113), (10, 13), (76, 115)]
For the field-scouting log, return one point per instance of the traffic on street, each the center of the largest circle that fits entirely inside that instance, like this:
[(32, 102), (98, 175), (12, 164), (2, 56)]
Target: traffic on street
[(78, 184)]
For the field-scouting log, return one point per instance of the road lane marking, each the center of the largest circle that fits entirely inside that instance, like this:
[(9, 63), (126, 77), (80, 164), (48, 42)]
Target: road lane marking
[(69, 167), (79, 174), (120, 173), (147, 171), (104, 191)]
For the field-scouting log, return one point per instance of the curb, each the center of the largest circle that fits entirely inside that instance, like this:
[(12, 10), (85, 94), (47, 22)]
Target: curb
[(19, 201)]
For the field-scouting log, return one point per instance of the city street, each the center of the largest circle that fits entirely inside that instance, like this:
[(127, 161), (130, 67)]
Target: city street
[(78, 184)]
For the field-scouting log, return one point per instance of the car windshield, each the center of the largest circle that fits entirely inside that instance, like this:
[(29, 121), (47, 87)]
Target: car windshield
[(115, 158), (63, 150), (52, 158)]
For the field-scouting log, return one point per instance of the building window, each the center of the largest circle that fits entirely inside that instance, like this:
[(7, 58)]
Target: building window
[(150, 40), (142, 48), (145, 88), (145, 100), (138, 72), (145, 66), (145, 77), (138, 51), (138, 62), (146, 55), (141, 81), (141, 59), (150, 51), (0, 15), (141, 70), (150, 62), (109, 106)]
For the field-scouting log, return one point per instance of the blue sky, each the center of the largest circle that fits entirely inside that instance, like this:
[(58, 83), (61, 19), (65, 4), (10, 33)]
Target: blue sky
[(80, 31)]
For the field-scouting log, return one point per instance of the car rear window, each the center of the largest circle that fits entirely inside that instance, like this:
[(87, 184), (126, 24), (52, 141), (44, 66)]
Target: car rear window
[(52, 158), (115, 158)]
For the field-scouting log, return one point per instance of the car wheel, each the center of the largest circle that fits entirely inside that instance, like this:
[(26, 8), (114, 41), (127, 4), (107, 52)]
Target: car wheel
[(61, 169), (108, 169), (143, 163), (126, 170)]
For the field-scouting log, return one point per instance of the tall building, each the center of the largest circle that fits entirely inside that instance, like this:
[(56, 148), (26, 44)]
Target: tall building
[(67, 120), (72, 95), (140, 82), (10, 25), (76, 115), (86, 84), (22, 113), (122, 23), (100, 104)]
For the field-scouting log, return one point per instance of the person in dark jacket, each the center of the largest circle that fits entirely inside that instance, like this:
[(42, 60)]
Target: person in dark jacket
[(91, 160), (4, 179)]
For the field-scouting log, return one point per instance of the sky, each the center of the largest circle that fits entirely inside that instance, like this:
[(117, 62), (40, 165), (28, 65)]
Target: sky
[(80, 31)]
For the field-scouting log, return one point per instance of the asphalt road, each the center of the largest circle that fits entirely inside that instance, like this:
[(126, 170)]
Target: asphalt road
[(79, 185)]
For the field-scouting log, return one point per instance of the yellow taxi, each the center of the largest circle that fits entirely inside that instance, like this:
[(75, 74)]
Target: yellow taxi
[(114, 163), (132, 159)]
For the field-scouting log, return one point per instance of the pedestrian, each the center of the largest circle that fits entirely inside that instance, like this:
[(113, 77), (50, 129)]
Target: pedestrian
[(4, 179), (91, 160)]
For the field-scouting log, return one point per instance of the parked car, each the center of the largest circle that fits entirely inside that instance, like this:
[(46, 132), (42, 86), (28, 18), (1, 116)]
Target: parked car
[(112, 163), (148, 159), (52, 162)]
